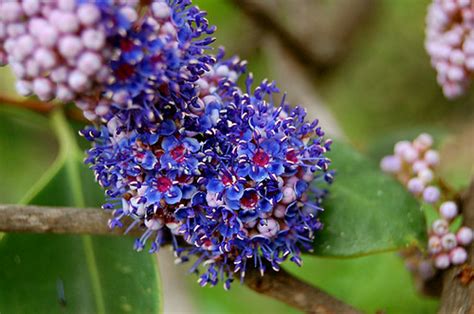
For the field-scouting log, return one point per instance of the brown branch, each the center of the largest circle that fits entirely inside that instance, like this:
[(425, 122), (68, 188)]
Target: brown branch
[(286, 288), (65, 220), (458, 291), (39, 106), (62, 220)]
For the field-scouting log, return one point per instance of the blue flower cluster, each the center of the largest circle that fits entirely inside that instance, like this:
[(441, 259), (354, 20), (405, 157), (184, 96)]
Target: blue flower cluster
[(225, 174), (165, 50)]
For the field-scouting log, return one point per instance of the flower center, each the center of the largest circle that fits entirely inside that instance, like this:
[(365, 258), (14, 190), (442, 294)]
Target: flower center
[(227, 180), (261, 158), (249, 200), (124, 71), (292, 156), (126, 45), (178, 153), (163, 184)]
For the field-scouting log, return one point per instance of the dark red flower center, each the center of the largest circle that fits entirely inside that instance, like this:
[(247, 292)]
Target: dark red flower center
[(177, 153), (227, 180), (261, 158), (126, 45), (124, 71), (292, 156), (249, 200), (163, 184)]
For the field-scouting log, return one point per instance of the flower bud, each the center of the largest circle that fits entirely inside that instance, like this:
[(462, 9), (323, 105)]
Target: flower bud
[(448, 241), (440, 227), (448, 210), (431, 194), (442, 261), (464, 236), (458, 256)]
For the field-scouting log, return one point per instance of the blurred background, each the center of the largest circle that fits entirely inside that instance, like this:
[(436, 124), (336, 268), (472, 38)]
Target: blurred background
[(357, 65)]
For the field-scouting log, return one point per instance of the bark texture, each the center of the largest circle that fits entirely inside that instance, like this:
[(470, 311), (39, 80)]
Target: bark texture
[(458, 290)]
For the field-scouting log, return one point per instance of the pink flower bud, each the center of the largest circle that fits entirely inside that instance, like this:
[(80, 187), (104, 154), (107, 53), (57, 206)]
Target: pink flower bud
[(93, 39), (129, 13), (25, 46), (47, 36), (448, 210), (67, 5), (448, 241), (289, 195), (458, 256), (43, 88), (64, 93), (391, 164), (45, 58), (434, 245), (70, 46), (419, 165), (440, 227), (423, 142), (24, 88), (31, 7), (432, 158), (410, 155), (60, 74), (161, 10), (32, 68), (415, 186), (10, 11), (268, 227), (89, 63), (65, 22), (431, 194), (442, 261), (279, 211), (464, 236), (456, 73), (78, 81), (88, 14), (426, 175)]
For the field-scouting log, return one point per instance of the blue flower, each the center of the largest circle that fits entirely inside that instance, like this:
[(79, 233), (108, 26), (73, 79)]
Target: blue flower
[(163, 188), (179, 154), (263, 159)]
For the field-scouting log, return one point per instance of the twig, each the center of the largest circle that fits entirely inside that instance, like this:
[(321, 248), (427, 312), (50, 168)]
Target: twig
[(458, 291), (42, 107), (65, 220), (285, 287)]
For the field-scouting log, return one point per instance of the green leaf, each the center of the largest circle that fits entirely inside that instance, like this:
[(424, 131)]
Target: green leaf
[(74, 274), (366, 211), (27, 147)]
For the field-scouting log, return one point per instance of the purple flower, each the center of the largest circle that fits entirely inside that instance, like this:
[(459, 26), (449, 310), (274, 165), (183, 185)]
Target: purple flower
[(179, 154)]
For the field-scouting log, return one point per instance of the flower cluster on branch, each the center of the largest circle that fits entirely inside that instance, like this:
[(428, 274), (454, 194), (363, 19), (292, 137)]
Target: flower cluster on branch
[(450, 43), (414, 164), (232, 175)]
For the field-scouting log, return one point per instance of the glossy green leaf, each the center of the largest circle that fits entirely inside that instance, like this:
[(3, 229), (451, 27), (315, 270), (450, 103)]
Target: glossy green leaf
[(74, 274), (366, 211)]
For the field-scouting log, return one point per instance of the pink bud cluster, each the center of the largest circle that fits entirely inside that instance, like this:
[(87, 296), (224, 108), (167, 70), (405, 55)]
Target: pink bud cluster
[(414, 164), (450, 43), (56, 49)]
